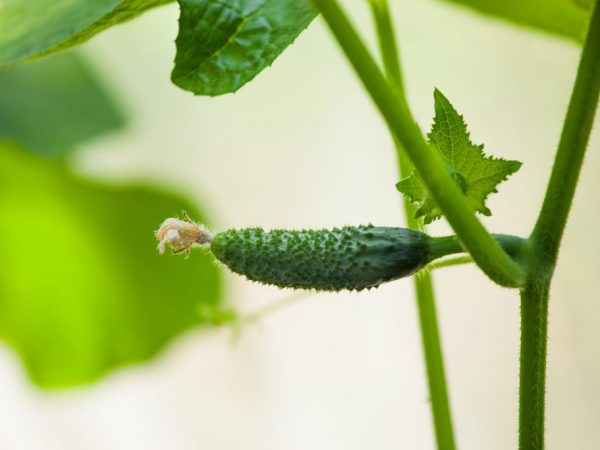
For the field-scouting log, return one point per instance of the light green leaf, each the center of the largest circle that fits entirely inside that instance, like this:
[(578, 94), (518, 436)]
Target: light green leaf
[(476, 174), (51, 106), (82, 287), (561, 17), (32, 28), (585, 4), (224, 44)]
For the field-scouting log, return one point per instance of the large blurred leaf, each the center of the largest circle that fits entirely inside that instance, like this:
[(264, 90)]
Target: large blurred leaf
[(224, 44), (52, 105), (587, 4), (82, 288), (561, 17), (31, 28)]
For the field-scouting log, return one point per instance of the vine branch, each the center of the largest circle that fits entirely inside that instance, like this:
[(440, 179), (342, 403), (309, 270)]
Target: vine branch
[(423, 284), (549, 229), (485, 251), (547, 235)]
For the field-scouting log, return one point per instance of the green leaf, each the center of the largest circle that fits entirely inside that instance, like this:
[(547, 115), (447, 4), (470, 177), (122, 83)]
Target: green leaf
[(82, 287), (476, 174), (560, 17), (51, 106), (222, 45), (585, 4), (32, 28)]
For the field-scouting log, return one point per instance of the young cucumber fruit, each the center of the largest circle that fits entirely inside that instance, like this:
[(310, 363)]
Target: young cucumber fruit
[(351, 258)]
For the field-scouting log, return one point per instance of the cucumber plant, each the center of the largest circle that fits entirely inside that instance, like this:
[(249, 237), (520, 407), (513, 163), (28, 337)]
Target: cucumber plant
[(223, 44)]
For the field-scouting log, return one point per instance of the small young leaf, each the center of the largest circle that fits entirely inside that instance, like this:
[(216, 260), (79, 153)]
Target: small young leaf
[(476, 174), (32, 28), (223, 45)]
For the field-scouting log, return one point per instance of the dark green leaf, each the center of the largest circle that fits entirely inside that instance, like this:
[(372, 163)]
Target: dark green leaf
[(476, 174), (31, 28), (53, 105), (561, 17), (222, 45), (82, 287)]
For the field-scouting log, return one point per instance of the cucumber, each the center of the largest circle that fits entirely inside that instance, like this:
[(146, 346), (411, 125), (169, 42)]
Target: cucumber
[(348, 258)]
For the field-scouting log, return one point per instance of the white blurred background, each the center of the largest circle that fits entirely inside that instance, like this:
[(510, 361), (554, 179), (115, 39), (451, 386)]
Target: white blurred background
[(302, 146)]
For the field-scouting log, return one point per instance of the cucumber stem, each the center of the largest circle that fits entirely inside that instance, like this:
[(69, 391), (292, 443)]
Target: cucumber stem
[(442, 246)]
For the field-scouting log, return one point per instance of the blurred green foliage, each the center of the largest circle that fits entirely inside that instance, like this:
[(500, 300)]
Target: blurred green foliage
[(567, 18), (82, 288), (586, 4), (54, 104), (31, 28)]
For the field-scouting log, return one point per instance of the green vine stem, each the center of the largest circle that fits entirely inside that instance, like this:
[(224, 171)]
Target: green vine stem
[(434, 361), (485, 251), (532, 382), (514, 246), (388, 47), (423, 283), (574, 138), (547, 235)]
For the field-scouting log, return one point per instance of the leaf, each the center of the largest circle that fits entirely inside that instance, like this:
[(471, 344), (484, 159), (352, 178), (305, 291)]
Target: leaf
[(476, 174), (82, 287), (51, 106), (585, 4), (561, 17), (32, 28), (222, 45)]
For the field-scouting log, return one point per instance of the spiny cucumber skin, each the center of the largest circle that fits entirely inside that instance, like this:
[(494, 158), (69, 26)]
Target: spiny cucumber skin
[(348, 258)]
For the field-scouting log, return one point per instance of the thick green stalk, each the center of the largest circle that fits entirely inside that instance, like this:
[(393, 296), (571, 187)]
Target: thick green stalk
[(547, 235), (425, 296), (485, 251), (532, 377)]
